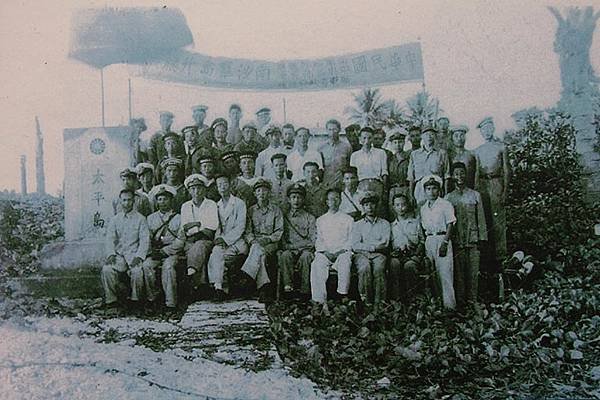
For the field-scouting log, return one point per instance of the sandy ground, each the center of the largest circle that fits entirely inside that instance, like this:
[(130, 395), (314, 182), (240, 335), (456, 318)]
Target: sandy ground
[(57, 358)]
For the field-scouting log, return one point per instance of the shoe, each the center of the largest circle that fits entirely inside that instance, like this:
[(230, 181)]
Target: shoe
[(220, 295)]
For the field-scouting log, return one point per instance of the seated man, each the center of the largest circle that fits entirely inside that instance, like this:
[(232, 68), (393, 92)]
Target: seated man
[(351, 196), (298, 244), (199, 221), (437, 219), (127, 244), (264, 230), (163, 225), (229, 240), (141, 202), (408, 249), (370, 240), (333, 249)]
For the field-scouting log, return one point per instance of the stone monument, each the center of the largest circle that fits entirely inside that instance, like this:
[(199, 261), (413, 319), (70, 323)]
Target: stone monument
[(580, 96)]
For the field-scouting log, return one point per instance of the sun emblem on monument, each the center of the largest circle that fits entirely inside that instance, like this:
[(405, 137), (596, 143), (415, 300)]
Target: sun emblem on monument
[(97, 146)]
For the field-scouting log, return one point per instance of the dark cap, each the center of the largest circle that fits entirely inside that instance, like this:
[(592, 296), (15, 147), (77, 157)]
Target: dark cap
[(248, 154), (278, 156), (262, 182), (263, 110), (219, 121), (296, 188), (228, 154), (350, 170)]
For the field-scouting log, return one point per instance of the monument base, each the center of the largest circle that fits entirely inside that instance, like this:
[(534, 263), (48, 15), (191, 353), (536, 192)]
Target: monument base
[(68, 269)]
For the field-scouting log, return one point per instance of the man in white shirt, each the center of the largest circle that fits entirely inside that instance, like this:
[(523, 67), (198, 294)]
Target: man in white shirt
[(333, 249), (351, 196), (199, 221), (437, 219), (229, 241), (301, 155), (263, 166)]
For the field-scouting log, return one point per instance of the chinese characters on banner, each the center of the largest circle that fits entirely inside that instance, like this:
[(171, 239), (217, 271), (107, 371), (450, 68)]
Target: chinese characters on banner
[(97, 197), (374, 67)]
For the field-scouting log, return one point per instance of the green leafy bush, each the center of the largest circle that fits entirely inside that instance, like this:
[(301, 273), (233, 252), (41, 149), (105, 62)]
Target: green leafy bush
[(547, 213)]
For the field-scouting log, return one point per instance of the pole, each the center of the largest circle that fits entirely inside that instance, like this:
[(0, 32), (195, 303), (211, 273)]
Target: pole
[(23, 174), (40, 178), (284, 112), (102, 93), (130, 112)]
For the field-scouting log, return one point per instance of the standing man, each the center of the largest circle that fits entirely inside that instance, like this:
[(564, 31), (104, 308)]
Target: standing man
[(156, 148), (437, 219), (229, 240), (164, 225), (443, 140), (398, 169), (280, 182), (427, 161), (247, 167), (469, 235), (458, 153), (301, 155), (492, 185), (208, 171), (145, 175), (237, 187), (250, 141), (141, 202), (336, 155), (316, 192), (351, 196), (264, 230), (370, 240), (192, 145), (298, 244), (289, 136), (234, 133), (414, 137), (173, 168), (371, 165), (263, 117), (333, 249), (205, 136), (136, 153), (171, 142), (264, 167), (199, 221), (127, 244), (352, 133), (220, 145)]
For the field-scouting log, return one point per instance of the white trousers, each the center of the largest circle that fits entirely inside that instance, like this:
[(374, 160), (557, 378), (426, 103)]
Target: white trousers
[(319, 272), (444, 267)]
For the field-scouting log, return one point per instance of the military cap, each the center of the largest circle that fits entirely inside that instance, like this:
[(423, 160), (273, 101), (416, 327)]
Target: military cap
[(162, 189), (430, 128), (166, 114), (128, 172), (296, 188), (272, 129), (369, 197), (367, 129), (263, 110), (350, 170), (205, 159), (219, 121), (458, 164), (168, 162), (352, 127), (459, 128), (309, 164), (141, 168), (200, 107), (228, 154), (398, 135), (190, 128), (170, 136), (194, 180), (432, 180), (486, 120), (277, 156), (247, 154), (262, 182), (249, 124)]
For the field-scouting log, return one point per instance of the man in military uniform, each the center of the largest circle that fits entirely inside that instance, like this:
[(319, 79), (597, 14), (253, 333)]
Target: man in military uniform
[(173, 171), (315, 191), (458, 153), (298, 244), (352, 132), (193, 149), (199, 221), (208, 171), (229, 238), (171, 140), (234, 133), (205, 135), (289, 136), (470, 232), (336, 154), (156, 148), (443, 139), (351, 196), (247, 166), (492, 185), (141, 203), (145, 174), (264, 230), (264, 167), (237, 187), (280, 182), (127, 244), (414, 137), (263, 117), (398, 169), (220, 146), (164, 225), (250, 141), (370, 240)]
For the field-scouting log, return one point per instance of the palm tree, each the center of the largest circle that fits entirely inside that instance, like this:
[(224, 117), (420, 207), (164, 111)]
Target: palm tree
[(370, 109), (423, 109)]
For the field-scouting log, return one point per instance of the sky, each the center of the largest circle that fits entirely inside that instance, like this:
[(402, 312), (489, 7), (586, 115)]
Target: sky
[(480, 58)]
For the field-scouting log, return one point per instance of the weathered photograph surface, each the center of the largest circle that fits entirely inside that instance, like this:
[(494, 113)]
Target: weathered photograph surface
[(300, 200)]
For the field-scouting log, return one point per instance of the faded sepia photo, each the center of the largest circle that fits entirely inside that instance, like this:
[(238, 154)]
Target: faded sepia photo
[(300, 199)]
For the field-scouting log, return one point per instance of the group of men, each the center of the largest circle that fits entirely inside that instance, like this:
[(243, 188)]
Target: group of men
[(291, 214)]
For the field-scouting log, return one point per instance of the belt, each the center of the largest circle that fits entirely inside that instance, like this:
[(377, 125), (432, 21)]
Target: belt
[(435, 234)]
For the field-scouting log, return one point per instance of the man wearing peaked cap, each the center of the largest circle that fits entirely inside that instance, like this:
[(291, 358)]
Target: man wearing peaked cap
[(156, 147), (192, 147), (220, 146), (250, 140), (486, 120), (458, 153), (205, 136), (193, 180), (398, 168), (263, 233), (164, 226), (263, 116), (247, 167), (298, 243), (208, 170), (145, 174), (141, 202), (280, 180), (237, 187), (173, 173), (315, 202)]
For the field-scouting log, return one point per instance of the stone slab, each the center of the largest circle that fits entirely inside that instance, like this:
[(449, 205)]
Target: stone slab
[(74, 254), (73, 283)]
